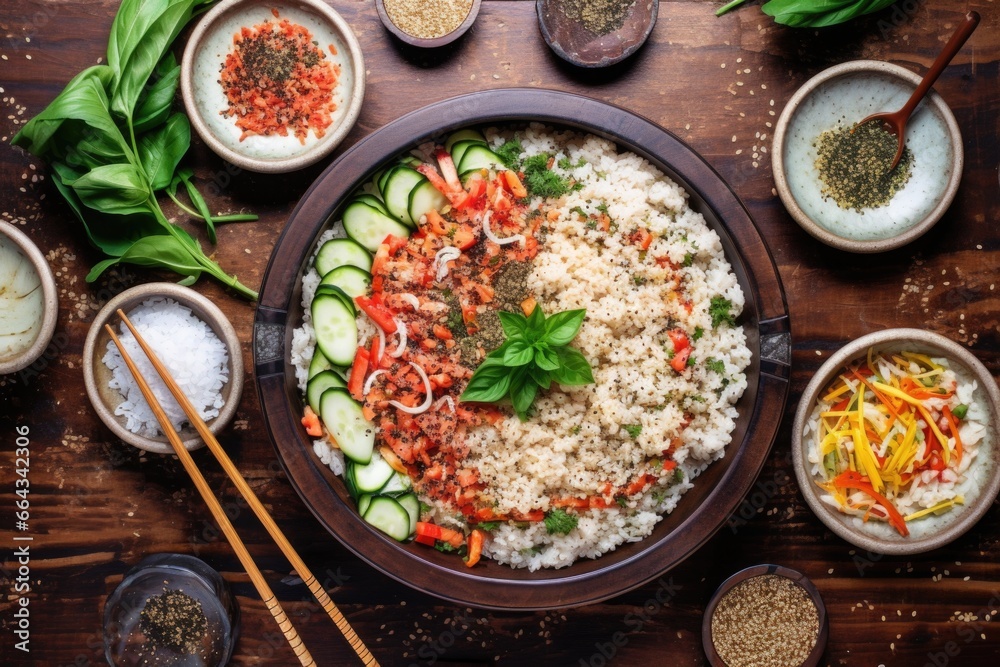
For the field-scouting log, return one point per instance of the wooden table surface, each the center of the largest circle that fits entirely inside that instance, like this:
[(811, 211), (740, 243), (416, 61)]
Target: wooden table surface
[(98, 506)]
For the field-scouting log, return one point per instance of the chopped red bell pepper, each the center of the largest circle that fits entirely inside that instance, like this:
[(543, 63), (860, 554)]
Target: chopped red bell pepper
[(356, 382), (377, 311)]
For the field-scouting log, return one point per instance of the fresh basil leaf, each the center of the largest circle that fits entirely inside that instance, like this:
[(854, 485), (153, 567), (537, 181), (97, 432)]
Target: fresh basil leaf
[(162, 149), (114, 188), (518, 353), (142, 39), (154, 107), (573, 369), (536, 323), (199, 203), (522, 393), (488, 384), (514, 324), (542, 378), (813, 14), (563, 327), (162, 251), (545, 357), (498, 354)]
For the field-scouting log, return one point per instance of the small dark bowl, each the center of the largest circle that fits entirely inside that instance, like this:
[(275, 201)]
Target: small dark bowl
[(428, 42), (756, 571)]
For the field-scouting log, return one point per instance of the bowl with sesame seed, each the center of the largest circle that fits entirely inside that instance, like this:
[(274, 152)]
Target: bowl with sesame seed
[(427, 23), (835, 177)]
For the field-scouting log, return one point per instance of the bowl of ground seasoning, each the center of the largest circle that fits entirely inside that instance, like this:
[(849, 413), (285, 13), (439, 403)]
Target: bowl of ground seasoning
[(835, 177), (171, 609), (272, 86), (428, 23), (765, 616), (596, 33)]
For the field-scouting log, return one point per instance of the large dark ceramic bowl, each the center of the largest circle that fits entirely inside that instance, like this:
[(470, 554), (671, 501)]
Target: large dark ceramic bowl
[(700, 513)]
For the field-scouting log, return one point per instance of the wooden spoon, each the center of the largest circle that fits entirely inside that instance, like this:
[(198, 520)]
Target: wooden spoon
[(895, 123)]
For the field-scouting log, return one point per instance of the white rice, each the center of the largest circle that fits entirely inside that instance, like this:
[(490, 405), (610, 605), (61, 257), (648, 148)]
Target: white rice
[(575, 442), (190, 350)]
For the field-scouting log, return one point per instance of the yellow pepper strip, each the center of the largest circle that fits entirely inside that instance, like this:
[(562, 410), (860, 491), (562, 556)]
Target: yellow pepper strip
[(836, 393), (922, 358), (943, 505)]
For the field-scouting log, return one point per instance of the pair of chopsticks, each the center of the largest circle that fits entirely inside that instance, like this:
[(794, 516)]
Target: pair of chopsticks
[(270, 600)]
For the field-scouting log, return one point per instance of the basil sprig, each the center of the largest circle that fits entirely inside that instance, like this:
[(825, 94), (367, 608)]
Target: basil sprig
[(112, 140), (813, 14), (535, 354)]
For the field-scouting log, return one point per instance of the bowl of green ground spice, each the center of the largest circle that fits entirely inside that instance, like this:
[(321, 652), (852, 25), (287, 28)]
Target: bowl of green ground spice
[(171, 609), (765, 616), (836, 177)]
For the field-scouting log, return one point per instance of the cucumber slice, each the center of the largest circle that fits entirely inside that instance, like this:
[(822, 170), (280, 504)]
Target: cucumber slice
[(396, 484), (372, 477), (364, 501), (340, 252), (352, 280), (409, 160), (463, 135), (479, 157), (352, 486), (318, 364), (397, 192), (372, 201), (411, 504), (390, 517), (343, 418), (458, 150), (383, 177), (317, 385), (423, 198), (369, 226), (333, 290), (336, 330)]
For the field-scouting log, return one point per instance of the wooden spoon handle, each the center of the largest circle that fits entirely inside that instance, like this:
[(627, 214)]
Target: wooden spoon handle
[(953, 46)]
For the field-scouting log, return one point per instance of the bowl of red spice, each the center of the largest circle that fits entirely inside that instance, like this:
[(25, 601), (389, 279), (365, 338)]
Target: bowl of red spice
[(765, 616), (427, 23), (272, 86)]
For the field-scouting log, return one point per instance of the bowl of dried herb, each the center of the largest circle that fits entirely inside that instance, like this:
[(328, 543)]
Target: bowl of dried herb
[(835, 177)]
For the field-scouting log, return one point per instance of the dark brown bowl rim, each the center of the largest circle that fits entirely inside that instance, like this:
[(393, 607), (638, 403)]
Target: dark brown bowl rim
[(757, 571), (706, 507), (428, 42)]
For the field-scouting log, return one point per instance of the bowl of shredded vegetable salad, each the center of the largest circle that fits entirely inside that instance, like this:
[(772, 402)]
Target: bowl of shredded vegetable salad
[(895, 441)]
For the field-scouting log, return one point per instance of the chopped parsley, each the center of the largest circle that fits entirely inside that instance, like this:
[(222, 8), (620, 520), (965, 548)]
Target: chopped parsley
[(697, 333), (720, 309), (688, 259), (488, 526), (560, 522), (542, 181), (424, 507), (678, 475), (566, 164), (603, 207), (510, 154), (579, 211), (633, 430), (716, 365), (622, 501), (576, 429), (591, 224), (639, 280)]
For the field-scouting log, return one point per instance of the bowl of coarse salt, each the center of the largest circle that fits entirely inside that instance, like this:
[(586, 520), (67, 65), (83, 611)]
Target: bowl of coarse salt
[(192, 338)]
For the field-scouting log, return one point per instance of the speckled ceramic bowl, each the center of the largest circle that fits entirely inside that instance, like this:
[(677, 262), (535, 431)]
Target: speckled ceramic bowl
[(204, 98), (843, 95), (929, 532), (20, 358), (96, 374)]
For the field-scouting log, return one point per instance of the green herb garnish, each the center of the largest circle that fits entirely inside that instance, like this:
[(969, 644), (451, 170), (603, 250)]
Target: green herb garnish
[(960, 411), (716, 365), (112, 141), (542, 181), (812, 14), (560, 522), (720, 309), (633, 430), (535, 354), (510, 154), (697, 333), (488, 526)]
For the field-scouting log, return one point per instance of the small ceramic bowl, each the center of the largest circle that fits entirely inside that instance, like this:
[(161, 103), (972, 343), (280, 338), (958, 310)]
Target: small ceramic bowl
[(929, 532), (842, 96), (386, 15), (822, 635), (96, 374), (16, 356), (168, 582), (205, 99), (567, 33)]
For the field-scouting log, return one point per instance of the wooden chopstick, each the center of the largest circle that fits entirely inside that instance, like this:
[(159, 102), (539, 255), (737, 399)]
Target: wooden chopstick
[(270, 600), (258, 508)]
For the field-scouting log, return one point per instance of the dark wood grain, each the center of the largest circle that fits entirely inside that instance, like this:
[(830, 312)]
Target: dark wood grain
[(97, 506)]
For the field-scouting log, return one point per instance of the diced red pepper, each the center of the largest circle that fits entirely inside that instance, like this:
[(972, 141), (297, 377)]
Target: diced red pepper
[(475, 545), (356, 382), (464, 239), (442, 332), (311, 422), (679, 362), (679, 339), (375, 355), (378, 312)]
